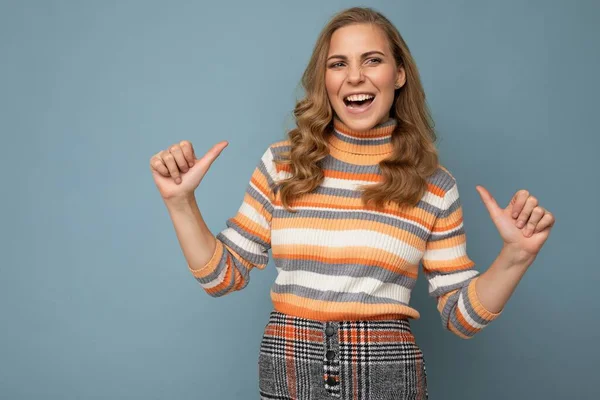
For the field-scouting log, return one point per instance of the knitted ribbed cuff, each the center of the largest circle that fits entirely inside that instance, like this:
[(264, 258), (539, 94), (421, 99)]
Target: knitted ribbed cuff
[(481, 311), (212, 264)]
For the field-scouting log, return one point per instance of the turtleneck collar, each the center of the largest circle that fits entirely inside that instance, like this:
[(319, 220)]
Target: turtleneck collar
[(377, 140)]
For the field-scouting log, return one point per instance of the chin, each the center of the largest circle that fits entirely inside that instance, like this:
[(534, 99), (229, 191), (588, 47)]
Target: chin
[(360, 123)]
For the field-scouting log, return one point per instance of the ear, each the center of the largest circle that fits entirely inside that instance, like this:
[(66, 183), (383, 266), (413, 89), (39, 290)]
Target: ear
[(401, 77)]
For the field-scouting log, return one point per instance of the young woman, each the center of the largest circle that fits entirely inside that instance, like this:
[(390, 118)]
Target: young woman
[(350, 204)]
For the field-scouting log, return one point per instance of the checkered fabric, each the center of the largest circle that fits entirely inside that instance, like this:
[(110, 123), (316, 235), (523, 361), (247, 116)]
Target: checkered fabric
[(305, 359)]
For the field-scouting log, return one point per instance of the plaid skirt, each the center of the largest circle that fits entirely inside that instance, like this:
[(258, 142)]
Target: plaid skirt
[(303, 359)]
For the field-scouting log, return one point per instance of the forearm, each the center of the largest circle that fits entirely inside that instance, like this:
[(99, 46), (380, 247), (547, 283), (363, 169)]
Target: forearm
[(495, 286), (196, 240)]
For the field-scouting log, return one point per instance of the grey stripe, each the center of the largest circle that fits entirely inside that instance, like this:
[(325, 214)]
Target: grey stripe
[(453, 207), (423, 205), (442, 179), (354, 270), (332, 296), (469, 305), (435, 236), (355, 215), (256, 195), (448, 288), (233, 225), (334, 164), (214, 275), (348, 193), (250, 257), (448, 309), (263, 169), (279, 150), (362, 142), (451, 310)]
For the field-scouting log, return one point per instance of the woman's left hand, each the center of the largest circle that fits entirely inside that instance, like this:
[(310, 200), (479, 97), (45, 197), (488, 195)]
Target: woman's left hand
[(523, 225)]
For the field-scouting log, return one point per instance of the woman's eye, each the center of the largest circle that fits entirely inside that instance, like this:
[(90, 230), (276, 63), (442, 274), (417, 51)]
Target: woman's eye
[(337, 64), (375, 60)]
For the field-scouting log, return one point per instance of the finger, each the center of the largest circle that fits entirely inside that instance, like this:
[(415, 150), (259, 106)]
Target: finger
[(518, 202), (212, 154), (547, 221), (218, 148), (489, 202), (157, 164), (179, 158), (169, 161), (188, 152), (536, 215), (530, 204)]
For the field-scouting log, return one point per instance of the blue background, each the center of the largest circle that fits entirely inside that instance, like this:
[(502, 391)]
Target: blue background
[(96, 301)]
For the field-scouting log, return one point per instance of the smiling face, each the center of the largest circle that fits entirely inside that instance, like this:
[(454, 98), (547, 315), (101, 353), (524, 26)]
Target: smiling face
[(361, 75)]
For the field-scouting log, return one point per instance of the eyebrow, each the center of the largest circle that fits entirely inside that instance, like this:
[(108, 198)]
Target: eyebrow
[(364, 55)]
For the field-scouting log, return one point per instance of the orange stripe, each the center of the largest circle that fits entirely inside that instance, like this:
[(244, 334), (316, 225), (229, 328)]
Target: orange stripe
[(344, 255), (363, 159), (212, 264), (436, 190), (320, 310), (225, 281), (463, 322), (261, 185), (330, 173), (458, 264), (252, 228), (447, 243), (338, 205), (477, 306)]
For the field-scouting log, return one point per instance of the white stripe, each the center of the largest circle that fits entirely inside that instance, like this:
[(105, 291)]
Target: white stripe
[(344, 284), (451, 195), (267, 160), (364, 139), (346, 238), (446, 232), (260, 193), (349, 184), (215, 281), (361, 211), (432, 199), (250, 212), (353, 184), (463, 310), (439, 281), (448, 253), (248, 245)]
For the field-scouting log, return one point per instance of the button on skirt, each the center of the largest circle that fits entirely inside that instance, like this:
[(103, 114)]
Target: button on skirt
[(303, 359)]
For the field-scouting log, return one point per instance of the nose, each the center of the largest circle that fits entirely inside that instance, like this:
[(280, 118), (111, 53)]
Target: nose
[(355, 75)]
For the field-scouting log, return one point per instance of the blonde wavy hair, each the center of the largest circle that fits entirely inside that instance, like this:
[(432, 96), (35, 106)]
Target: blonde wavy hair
[(414, 156)]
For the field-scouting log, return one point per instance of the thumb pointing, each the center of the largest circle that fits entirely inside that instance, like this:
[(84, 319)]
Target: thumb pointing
[(489, 201)]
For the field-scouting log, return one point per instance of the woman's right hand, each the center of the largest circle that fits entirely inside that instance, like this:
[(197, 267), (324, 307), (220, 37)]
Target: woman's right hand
[(177, 172)]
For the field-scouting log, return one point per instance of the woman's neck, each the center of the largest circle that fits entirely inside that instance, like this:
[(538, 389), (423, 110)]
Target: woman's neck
[(377, 140)]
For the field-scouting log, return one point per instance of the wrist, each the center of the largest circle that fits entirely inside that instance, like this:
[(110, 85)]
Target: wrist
[(516, 257), (180, 202)]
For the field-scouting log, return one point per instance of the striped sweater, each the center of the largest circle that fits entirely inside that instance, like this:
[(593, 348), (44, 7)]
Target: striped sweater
[(337, 259)]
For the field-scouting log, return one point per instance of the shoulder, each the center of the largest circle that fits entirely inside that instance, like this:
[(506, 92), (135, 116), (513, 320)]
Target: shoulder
[(279, 148), (442, 180), (272, 155), (444, 188), (274, 151)]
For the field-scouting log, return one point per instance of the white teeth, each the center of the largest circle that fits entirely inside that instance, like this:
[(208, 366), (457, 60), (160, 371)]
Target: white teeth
[(359, 97)]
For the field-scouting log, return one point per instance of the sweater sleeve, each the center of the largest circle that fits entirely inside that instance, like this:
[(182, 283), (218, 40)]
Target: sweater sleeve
[(450, 273), (245, 242)]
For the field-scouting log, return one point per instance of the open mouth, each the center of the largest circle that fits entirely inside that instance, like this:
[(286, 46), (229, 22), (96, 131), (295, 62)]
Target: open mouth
[(359, 102)]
